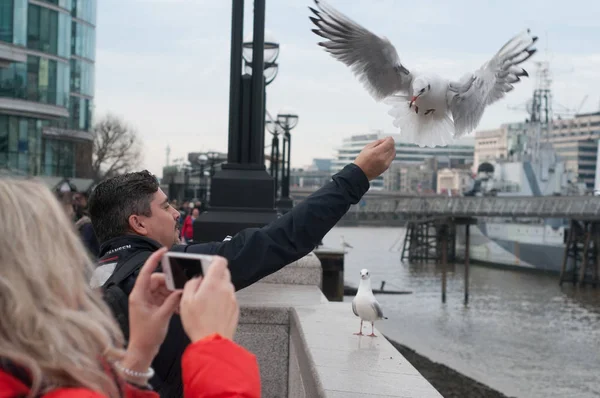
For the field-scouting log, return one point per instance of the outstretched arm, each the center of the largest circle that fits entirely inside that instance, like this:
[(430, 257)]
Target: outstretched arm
[(257, 252)]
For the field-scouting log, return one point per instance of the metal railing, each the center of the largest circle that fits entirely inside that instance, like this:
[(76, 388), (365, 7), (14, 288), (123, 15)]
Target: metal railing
[(581, 207)]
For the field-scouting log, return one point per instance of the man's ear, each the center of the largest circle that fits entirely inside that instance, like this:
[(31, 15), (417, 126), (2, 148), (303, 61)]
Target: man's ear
[(137, 225)]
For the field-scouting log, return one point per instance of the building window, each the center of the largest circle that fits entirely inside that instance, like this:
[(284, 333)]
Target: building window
[(59, 158), (82, 77), (83, 41), (48, 31), (47, 81), (41, 80), (6, 21), (66, 4), (85, 10), (13, 22), (80, 111), (20, 144)]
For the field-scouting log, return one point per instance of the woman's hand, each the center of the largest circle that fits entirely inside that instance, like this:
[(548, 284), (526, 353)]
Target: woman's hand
[(209, 305), (151, 306)]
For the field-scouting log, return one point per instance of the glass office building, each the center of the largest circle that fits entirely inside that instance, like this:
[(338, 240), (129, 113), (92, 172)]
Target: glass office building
[(47, 51)]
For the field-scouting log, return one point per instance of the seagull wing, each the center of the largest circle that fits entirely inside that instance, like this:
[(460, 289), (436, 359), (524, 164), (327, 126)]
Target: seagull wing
[(354, 308), (372, 58), (377, 308), (469, 97)]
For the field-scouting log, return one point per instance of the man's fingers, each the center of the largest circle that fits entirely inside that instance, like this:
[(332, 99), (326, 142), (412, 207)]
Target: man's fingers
[(143, 279)]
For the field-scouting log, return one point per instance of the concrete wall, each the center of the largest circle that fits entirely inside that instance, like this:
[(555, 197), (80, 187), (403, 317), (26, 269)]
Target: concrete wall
[(305, 344)]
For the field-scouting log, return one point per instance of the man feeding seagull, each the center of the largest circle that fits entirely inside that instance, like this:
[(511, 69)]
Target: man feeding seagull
[(429, 110)]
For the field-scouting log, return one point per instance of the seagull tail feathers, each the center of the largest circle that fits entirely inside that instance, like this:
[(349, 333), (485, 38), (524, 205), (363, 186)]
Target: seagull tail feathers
[(432, 130)]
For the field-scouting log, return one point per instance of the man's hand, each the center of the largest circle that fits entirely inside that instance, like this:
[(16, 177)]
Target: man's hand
[(376, 157)]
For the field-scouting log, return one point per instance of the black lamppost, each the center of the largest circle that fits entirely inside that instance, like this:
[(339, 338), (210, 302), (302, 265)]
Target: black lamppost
[(287, 120), (241, 193), (271, 53), (274, 129)]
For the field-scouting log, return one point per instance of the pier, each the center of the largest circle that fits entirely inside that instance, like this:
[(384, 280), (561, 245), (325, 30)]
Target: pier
[(432, 221)]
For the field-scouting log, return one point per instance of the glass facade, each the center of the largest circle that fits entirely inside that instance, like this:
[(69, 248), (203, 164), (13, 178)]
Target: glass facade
[(40, 80), (66, 4), (85, 10), (21, 143), (65, 32), (48, 31), (59, 158), (82, 77), (80, 113), (13, 22), (83, 43)]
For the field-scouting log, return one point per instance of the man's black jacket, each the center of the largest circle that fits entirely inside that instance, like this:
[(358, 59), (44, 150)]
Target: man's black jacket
[(252, 254)]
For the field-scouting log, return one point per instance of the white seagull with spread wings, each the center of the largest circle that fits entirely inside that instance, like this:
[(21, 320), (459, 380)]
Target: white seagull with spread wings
[(429, 110)]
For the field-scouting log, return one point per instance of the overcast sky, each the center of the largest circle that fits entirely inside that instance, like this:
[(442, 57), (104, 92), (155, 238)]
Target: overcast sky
[(163, 65)]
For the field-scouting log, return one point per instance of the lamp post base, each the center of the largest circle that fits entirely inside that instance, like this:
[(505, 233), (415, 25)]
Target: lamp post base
[(241, 197), (284, 205)]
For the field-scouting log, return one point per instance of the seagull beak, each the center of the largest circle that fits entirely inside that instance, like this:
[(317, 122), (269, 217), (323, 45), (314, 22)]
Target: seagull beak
[(412, 101)]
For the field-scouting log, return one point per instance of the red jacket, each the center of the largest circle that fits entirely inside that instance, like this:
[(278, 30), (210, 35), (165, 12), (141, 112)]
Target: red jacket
[(212, 367), (187, 230)]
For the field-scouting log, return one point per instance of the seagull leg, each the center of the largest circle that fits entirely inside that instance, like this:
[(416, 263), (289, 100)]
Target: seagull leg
[(360, 333), (372, 330), (416, 109)]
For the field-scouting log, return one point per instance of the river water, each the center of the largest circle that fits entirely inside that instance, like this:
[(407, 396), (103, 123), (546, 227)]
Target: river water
[(520, 334)]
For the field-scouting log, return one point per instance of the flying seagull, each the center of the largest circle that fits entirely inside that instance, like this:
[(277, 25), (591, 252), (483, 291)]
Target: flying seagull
[(429, 110), (365, 305)]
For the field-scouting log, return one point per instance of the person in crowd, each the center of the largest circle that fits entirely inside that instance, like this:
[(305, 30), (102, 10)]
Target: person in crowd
[(83, 223), (58, 338), (187, 231), (132, 215)]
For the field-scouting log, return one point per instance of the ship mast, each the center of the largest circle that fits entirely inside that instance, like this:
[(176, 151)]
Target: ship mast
[(540, 110)]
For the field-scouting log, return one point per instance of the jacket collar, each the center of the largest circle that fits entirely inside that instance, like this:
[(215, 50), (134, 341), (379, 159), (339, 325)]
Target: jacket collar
[(128, 242)]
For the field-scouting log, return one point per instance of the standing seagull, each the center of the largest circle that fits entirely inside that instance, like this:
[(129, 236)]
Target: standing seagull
[(428, 109), (365, 305), (344, 243)]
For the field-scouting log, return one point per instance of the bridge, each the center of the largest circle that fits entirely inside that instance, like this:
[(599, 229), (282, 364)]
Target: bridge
[(393, 205), (572, 207)]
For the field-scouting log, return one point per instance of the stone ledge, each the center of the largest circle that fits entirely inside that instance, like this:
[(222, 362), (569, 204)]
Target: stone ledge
[(306, 271), (323, 356)]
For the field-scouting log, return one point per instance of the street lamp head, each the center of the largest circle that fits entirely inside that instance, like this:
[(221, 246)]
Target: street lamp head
[(271, 51), (287, 117), (203, 158)]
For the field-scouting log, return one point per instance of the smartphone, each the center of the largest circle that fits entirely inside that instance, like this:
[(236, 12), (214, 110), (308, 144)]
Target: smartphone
[(181, 267)]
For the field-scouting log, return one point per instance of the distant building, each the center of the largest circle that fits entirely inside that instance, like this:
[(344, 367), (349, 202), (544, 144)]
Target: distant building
[(575, 141), (458, 154), (47, 52), (314, 176), (453, 181), (410, 178), (498, 144)]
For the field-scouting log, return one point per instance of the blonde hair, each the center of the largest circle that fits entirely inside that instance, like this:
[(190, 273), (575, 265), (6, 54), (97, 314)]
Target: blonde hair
[(54, 325)]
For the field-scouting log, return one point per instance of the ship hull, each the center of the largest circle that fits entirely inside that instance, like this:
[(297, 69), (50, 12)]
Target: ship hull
[(537, 247)]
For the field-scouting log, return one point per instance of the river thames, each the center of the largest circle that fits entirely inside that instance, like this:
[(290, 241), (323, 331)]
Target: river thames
[(521, 333)]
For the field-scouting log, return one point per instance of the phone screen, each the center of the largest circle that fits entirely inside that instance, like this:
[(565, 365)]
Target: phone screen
[(184, 269)]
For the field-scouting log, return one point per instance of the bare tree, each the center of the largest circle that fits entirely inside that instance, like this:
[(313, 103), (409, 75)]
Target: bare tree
[(117, 148)]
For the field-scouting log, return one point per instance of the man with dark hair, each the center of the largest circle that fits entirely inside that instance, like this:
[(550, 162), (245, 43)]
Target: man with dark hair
[(132, 216)]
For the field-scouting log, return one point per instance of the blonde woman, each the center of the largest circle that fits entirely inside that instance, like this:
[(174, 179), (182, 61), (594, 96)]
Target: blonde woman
[(57, 336)]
